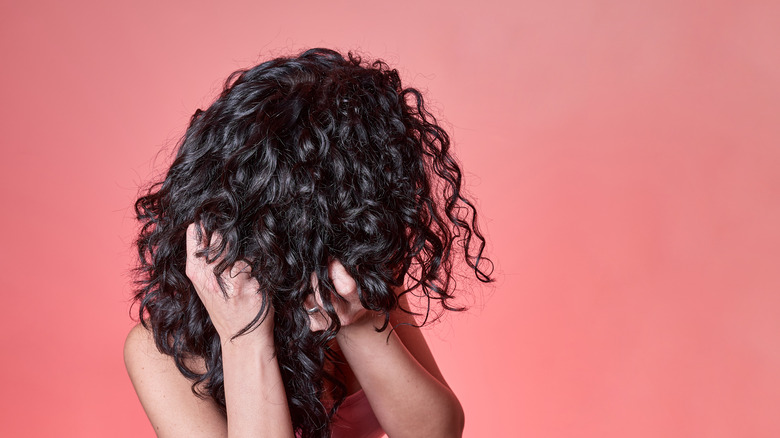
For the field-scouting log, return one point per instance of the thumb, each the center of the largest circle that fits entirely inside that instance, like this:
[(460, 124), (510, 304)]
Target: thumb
[(345, 285)]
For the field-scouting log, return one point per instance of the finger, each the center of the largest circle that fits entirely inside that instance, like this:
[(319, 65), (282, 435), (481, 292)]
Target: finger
[(193, 244), (194, 265), (240, 269), (239, 279), (196, 242), (345, 285), (312, 300), (198, 269), (318, 320), (310, 303), (313, 305), (216, 240), (340, 305)]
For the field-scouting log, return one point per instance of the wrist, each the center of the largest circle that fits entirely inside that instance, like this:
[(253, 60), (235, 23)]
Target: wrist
[(364, 327), (249, 343)]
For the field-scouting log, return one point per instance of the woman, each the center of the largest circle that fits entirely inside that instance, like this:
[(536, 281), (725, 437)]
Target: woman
[(311, 213)]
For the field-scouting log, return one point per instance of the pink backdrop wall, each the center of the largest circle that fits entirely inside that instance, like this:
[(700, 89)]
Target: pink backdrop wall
[(625, 156)]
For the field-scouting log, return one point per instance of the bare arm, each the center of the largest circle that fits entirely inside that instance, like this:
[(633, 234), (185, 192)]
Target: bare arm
[(408, 398), (397, 371), (166, 394), (175, 411), (254, 392)]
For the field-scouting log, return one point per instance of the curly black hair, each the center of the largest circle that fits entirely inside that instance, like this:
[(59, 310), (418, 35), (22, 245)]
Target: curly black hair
[(301, 161)]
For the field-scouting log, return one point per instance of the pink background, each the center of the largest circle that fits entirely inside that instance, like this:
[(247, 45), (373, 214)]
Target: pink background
[(625, 156)]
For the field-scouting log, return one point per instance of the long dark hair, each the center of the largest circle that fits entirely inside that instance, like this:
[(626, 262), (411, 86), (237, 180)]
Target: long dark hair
[(301, 161)]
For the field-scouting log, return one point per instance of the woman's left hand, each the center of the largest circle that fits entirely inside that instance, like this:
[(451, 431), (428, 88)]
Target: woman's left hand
[(348, 308)]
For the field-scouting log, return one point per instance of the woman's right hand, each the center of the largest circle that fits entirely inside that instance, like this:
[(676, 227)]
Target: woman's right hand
[(243, 302)]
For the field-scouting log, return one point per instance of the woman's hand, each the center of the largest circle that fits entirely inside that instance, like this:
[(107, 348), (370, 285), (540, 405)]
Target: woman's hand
[(348, 307), (255, 399), (243, 302)]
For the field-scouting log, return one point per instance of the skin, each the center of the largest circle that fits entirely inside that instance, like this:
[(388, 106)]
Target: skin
[(397, 372)]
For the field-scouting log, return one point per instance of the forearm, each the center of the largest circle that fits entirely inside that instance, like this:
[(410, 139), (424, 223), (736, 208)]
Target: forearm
[(407, 400), (254, 392)]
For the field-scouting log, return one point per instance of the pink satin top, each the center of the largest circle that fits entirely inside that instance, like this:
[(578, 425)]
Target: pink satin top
[(356, 419)]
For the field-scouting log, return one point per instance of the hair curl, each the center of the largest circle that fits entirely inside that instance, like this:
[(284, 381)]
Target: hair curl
[(301, 161)]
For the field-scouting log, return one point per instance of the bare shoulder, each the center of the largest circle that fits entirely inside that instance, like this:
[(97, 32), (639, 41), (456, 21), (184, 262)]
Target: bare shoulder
[(143, 359), (139, 345), (405, 326), (165, 394)]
